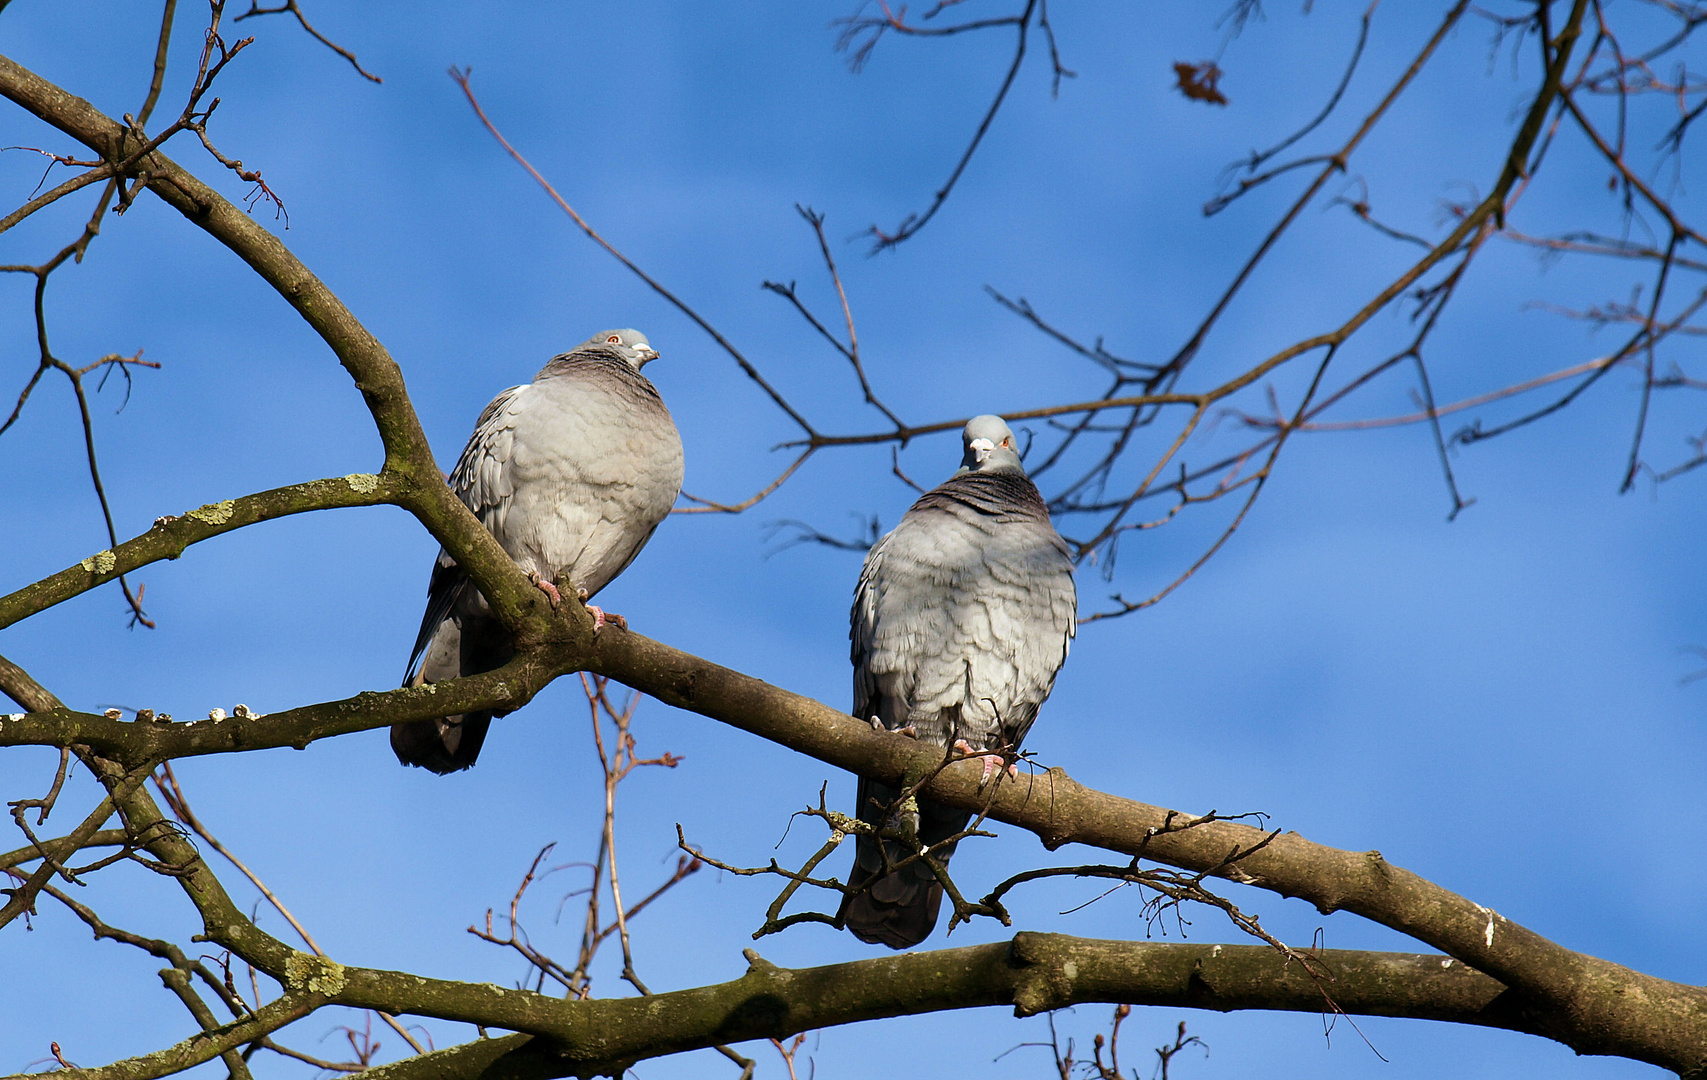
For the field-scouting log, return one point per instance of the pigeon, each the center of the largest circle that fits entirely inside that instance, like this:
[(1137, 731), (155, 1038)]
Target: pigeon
[(961, 619), (571, 473)]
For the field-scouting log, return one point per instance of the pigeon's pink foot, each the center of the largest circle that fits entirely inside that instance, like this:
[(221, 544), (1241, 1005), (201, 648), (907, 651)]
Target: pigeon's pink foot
[(991, 760), (601, 617), (547, 588)]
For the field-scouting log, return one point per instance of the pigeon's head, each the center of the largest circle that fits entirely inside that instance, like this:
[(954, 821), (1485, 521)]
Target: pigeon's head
[(989, 446), (629, 345)]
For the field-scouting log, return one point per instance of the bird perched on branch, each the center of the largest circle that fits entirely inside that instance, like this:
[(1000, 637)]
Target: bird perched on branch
[(571, 473), (961, 619)]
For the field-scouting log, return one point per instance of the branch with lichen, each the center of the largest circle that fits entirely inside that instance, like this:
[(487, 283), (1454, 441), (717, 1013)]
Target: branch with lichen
[(1032, 973)]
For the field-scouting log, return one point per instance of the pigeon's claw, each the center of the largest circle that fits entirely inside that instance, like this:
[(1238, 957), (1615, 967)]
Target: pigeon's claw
[(547, 588), (991, 760), (910, 731), (601, 617)]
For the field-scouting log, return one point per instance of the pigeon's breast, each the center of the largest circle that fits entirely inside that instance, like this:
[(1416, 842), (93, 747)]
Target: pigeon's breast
[(967, 606), (596, 467)]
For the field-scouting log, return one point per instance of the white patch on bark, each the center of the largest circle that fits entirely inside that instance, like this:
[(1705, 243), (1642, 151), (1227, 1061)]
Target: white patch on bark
[(1488, 934)]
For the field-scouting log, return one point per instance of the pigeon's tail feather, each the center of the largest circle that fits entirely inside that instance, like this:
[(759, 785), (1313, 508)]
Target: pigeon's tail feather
[(459, 645), (898, 909), (445, 745)]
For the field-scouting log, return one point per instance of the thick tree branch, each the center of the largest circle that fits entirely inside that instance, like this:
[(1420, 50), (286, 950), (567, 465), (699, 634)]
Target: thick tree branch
[(20, 687), (505, 688), (1033, 973)]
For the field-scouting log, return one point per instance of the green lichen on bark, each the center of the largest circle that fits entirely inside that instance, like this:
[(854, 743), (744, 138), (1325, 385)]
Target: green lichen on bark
[(314, 974), (213, 513)]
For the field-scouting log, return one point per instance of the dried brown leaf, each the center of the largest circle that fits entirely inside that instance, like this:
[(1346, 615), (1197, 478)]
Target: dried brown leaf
[(1198, 81)]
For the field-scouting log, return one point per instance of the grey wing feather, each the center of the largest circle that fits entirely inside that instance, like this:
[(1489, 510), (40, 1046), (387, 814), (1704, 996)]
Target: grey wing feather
[(480, 479), (863, 637)]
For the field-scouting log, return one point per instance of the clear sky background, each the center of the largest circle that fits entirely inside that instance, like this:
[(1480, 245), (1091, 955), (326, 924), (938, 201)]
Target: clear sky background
[(1493, 703)]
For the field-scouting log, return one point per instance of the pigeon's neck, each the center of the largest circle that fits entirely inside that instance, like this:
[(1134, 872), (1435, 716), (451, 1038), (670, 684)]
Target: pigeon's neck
[(1001, 493), (599, 365)]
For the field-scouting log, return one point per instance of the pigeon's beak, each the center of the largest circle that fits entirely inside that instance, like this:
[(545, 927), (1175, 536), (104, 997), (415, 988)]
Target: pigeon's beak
[(646, 354)]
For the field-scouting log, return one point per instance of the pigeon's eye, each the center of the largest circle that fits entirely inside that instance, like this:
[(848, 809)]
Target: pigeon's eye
[(613, 340)]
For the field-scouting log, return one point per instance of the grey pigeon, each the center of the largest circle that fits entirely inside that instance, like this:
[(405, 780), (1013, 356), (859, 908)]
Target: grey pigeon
[(571, 473), (962, 617)]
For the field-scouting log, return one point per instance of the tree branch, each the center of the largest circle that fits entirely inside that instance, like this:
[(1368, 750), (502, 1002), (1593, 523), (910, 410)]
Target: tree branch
[(171, 536), (1033, 973)]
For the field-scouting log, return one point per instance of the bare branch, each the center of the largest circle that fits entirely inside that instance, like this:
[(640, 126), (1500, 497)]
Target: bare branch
[(294, 8)]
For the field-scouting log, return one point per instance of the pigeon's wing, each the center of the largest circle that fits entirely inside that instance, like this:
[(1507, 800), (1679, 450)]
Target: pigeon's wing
[(1033, 608), (480, 479), (895, 630), (873, 698), (898, 909), (444, 590)]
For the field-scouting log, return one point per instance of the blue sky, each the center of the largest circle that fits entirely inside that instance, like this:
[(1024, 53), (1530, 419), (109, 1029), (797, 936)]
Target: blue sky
[(1493, 703)]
